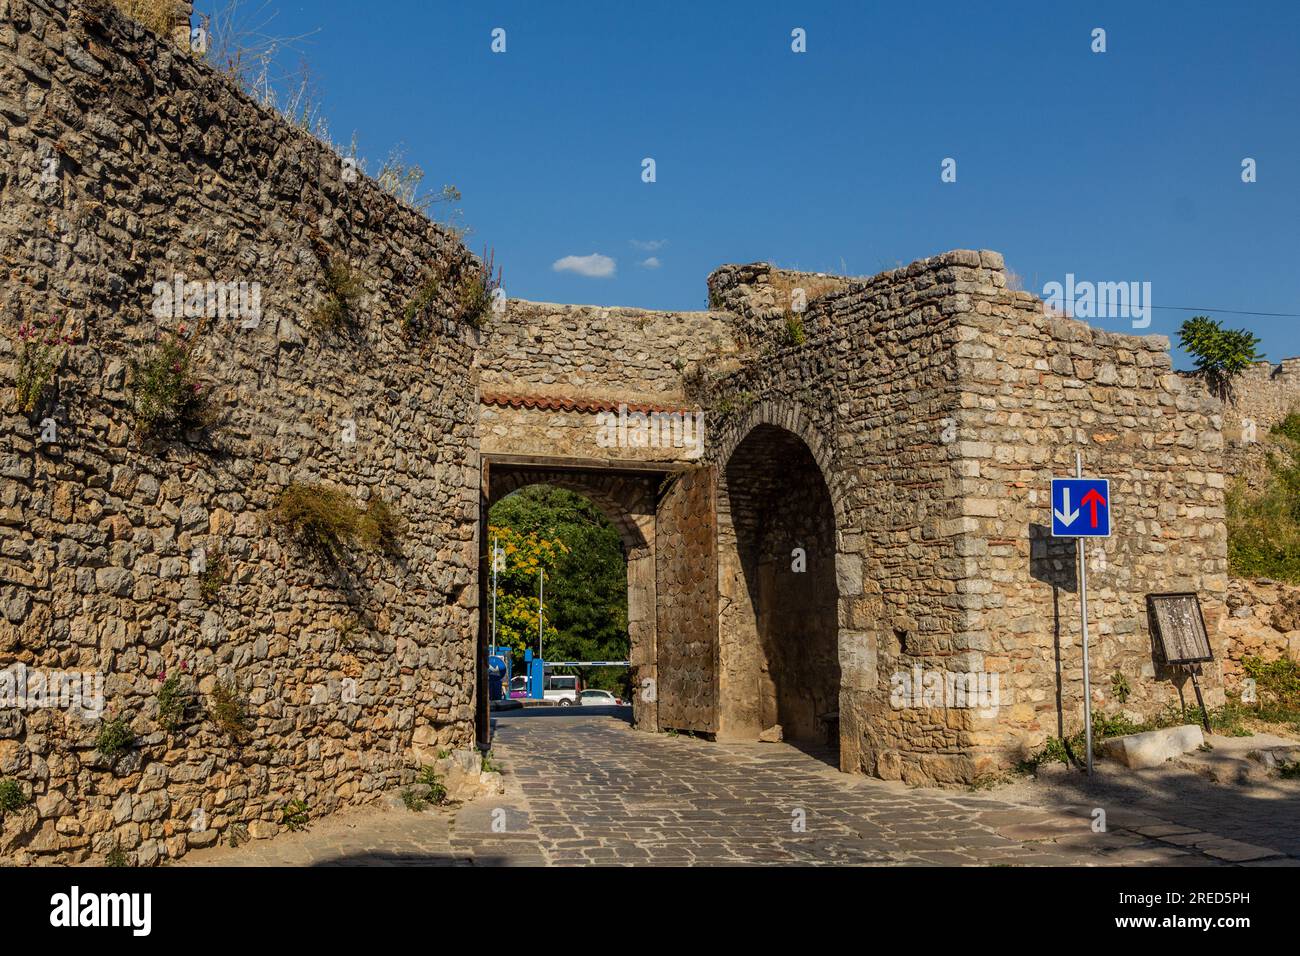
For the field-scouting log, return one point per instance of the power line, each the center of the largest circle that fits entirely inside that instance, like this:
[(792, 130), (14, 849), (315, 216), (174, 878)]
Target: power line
[(1185, 308)]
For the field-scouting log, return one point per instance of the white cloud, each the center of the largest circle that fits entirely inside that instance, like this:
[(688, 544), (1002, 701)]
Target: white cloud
[(651, 245), (594, 266), (651, 263)]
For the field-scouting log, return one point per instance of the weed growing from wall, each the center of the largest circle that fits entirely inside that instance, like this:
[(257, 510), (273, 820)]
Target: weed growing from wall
[(296, 815), (165, 392), (115, 738), (325, 520), (12, 796), (40, 354), (229, 711)]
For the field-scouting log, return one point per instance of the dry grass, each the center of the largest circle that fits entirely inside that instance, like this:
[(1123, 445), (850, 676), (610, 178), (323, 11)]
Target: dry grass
[(814, 287), (325, 520), (158, 15)]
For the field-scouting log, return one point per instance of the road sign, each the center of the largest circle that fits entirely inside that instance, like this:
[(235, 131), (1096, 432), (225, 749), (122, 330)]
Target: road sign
[(1080, 508)]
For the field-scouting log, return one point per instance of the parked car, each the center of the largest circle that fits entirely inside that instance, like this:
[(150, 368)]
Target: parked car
[(563, 689), (518, 687), (599, 698)]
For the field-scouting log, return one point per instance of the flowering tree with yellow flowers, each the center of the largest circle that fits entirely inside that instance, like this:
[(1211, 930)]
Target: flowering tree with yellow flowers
[(521, 558)]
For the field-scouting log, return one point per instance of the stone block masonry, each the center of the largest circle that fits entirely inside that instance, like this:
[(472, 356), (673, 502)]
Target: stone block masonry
[(1261, 397), (938, 405), (125, 163), (868, 509)]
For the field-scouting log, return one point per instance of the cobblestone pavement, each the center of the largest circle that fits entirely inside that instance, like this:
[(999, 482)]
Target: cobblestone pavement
[(589, 789)]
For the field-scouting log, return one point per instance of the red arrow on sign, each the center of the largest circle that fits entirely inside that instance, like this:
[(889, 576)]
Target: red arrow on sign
[(1092, 499)]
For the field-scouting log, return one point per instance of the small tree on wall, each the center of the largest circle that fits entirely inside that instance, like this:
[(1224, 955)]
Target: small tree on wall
[(1221, 354)]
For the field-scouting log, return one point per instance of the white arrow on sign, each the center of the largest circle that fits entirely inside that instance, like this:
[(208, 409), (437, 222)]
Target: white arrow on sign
[(1067, 517)]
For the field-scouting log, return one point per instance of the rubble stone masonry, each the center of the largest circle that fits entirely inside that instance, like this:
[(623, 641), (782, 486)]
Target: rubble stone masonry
[(869, 507), (123, 163)]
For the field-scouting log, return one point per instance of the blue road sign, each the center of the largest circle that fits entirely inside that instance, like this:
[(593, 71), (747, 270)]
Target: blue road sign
[(1080, 508)]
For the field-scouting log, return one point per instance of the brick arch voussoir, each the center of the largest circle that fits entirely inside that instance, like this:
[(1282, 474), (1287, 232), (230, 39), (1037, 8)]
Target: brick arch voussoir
[(609, 493), (791, 417)]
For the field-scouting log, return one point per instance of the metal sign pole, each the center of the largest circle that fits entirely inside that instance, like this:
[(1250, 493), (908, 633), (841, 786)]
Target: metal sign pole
[(541, 607), (496, 564), (1083, 618)]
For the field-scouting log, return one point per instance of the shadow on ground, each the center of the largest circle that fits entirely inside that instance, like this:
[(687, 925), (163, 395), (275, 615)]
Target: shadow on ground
[(414, 859), (1264, 813)]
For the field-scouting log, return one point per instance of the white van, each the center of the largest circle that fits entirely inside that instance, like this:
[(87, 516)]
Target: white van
[(563, 689)]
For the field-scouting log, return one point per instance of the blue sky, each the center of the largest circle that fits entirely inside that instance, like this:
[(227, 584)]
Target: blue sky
[(1115, 166)]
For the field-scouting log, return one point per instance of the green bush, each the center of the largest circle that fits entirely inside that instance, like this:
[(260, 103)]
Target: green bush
[(166, 395), (115, 737), (12, 796), (434, 790), (41, 348), (1220, 354), (296, 815), (172, 701)]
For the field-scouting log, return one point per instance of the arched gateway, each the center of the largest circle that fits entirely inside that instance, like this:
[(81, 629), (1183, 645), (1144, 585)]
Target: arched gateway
[(831, 514)]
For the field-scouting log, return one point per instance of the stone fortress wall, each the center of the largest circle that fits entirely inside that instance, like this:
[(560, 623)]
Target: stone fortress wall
[(939, 404), (124, 162), (899, 429), (1261, 397)]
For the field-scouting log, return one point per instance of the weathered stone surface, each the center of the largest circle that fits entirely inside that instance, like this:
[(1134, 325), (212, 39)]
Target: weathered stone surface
[(164, 169), (1154, 747), (866, 501)]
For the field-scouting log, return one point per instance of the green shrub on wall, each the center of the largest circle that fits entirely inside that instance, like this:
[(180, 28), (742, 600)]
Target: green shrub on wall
[(326, 520), (115, 737), (166, 394), (12, 796), (41, 348)]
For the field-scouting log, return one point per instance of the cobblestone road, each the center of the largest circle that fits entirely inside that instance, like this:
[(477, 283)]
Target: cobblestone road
[(583, 788)]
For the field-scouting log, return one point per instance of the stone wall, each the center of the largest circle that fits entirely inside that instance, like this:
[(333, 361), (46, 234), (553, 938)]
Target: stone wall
[(1263, 621), (631, 355), (1036, 390), (1264, 394), (687, 599), (124, 163), (1261, 397), (868, 392), (938, 405)]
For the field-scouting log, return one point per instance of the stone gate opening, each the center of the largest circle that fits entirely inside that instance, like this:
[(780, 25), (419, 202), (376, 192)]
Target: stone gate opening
[(778, 622), (627, 500)]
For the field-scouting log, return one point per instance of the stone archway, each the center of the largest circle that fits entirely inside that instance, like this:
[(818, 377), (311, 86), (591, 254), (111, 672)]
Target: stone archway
[(627, 499), (778, 627)]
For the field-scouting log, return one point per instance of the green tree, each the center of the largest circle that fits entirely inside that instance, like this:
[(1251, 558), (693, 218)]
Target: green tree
[(524, 557), (586, 589), (1221, 354)]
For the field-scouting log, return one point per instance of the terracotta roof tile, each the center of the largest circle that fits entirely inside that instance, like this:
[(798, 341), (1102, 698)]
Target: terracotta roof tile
[(557, 403)]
